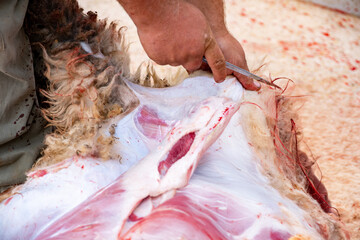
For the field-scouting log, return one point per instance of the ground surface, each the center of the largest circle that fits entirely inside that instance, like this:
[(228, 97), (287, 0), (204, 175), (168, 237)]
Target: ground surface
[(320, 50)]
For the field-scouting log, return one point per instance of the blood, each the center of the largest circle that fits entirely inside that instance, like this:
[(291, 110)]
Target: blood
[(324, 231), (134, 218), (339, 11), (178, 151), (39, 173), (341, 24), (7, 201), (272, 234), (21, 116), (312, 190), (225, 113)]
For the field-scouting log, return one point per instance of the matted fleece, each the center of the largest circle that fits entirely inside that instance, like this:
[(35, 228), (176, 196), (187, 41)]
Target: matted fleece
[(319, 49)]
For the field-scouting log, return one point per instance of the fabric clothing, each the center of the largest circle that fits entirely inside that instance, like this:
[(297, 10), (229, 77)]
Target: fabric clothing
[(21, 125)]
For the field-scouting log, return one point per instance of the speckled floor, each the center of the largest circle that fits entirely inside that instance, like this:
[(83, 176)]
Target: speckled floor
[(319, 49)]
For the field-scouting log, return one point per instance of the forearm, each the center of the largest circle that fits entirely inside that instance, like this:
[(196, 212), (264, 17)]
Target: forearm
[(150, 12), (214, 13)]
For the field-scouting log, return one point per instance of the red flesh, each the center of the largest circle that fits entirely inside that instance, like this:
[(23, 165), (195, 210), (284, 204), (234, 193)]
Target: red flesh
[(177, 152)]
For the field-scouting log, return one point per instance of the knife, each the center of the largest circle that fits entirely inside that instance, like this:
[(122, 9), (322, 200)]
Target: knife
[(246, 73)]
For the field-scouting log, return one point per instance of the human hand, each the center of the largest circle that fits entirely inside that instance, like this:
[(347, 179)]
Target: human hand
[(181, 35), (234, 53), (230, 47)]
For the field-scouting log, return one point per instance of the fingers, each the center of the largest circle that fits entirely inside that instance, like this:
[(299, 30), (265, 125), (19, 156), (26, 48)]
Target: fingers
[(193, 65), (234, 53), (216, 60), (248, 83)]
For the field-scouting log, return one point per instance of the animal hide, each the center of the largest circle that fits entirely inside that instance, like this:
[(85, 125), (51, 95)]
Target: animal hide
[(187, 169)]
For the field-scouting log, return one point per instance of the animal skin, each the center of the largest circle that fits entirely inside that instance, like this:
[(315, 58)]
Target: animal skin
[(186, 162)]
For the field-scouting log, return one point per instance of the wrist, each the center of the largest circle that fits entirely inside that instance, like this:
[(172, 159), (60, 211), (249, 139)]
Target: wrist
[(221, 35), (220, 32), (151, 13), (214, 13)]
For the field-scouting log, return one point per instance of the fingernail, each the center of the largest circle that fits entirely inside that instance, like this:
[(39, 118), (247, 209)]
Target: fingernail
[(257, 84)]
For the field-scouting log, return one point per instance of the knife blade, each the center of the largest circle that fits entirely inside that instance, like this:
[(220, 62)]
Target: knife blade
[(246, 73)]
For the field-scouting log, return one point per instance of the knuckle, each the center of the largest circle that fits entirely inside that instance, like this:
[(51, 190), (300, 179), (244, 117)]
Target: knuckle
[(209, 42), (160, 61), (219, 64), (195, 52), (173, 64), (164, 60), (192, 66), (196, 55)]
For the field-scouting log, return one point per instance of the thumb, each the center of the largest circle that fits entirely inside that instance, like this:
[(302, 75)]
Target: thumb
[(216, 60)]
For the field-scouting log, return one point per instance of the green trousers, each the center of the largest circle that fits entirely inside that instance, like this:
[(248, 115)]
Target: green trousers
[(21, 125)]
